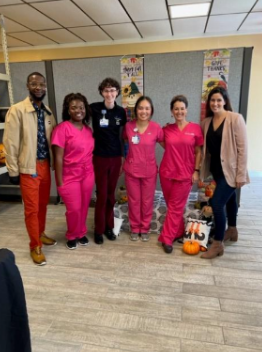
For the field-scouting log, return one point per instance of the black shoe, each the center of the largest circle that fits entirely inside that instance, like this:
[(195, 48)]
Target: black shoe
[(71, 244), (83, 241), (110, 235), (98, 238), (167, 248)]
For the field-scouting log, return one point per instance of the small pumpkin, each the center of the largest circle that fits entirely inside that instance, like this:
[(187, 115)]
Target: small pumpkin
[(212, 186), (209, 192), (203, 249), (2, 156), (191, 247), (201, 184)]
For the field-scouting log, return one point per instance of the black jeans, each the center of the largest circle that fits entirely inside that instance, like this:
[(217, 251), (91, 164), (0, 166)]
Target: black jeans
[(223, 202)]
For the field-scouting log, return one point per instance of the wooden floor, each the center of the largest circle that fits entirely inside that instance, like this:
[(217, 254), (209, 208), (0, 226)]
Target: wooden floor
[(126, 296)]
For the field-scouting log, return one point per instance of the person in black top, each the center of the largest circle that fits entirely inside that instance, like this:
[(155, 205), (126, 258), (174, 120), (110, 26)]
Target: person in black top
[(108, 120), (225, 157)]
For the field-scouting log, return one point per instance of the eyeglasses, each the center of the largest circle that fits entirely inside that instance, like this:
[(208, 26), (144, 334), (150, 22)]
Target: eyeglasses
[(112, 90), (35, 85)]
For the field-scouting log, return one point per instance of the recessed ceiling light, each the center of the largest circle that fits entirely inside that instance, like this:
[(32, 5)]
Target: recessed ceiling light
[(194, 10)]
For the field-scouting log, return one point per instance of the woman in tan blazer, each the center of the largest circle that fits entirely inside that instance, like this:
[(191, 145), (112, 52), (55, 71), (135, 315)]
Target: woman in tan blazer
[(225, 157)]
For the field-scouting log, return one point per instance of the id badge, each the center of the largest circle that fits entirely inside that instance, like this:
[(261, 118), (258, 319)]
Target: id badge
[(104, 122), (135, 139)]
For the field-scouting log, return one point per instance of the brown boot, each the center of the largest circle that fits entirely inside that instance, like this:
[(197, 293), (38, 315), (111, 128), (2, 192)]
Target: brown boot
[(216, 249), (38, 256), (231, 234), (47, 240)]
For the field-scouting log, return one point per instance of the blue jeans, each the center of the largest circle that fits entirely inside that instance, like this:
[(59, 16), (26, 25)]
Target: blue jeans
[(223, 202)]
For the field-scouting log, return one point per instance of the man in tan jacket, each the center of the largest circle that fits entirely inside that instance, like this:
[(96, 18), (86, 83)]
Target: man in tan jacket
[(27, 134)]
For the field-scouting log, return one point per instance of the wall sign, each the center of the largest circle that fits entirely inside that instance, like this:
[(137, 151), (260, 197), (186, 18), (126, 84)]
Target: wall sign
[(215, 73), (132, 81)]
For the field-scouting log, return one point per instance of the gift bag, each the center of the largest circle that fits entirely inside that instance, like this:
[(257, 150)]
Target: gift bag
[(117, 225), (197, 230)]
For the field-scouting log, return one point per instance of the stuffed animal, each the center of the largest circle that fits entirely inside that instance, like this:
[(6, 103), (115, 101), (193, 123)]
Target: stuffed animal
[(207, 213)]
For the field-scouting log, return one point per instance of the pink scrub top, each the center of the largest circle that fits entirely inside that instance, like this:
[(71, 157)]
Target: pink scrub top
[(78, 150), (141, 158), (178, 162)]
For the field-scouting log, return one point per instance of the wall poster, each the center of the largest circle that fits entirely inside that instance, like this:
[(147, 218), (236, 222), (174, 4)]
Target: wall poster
[(215, 73), (132, 81)]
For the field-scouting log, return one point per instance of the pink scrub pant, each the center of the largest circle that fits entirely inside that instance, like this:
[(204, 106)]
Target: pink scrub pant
[(140, 192), (176, 194), (76, 195)]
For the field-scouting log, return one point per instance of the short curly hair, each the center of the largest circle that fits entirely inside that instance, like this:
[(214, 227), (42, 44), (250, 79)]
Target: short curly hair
[(68, 99), (109, 82)]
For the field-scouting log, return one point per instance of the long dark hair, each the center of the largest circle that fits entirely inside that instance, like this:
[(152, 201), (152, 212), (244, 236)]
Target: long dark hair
[(75, 96), (143, 97), (224, 93)]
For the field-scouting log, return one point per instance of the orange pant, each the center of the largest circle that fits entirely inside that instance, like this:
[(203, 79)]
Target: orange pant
[(35, 193)]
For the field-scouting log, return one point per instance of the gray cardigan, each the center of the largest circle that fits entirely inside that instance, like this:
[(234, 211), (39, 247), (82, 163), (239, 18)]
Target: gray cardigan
[(233, 149)]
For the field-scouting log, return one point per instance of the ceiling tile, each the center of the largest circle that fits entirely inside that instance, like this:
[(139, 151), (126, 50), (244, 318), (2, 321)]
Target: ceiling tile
[(13, 42), (91, 34), (224, 23), (28, 16), (61, 36), (12, 26), (32, 38), (188, 26), (253, 22), (258, 6), (121, 31), (10, 2), (154, 28), (146, 10), (185, 2), (65, 13), (29, 1), (231, 6), (104, 11)]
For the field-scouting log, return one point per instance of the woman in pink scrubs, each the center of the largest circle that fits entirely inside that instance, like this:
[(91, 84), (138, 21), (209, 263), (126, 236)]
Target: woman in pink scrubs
[(73, 145), (179, 169), (140, 167)]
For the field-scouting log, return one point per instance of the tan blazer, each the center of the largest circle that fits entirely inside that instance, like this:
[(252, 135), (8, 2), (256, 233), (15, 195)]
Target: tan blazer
[(20, 137), (233, 149)]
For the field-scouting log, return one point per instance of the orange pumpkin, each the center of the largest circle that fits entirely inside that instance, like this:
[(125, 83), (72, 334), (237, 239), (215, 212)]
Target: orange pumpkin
[(2, 156), (203, 249), (201, 184), (212, 186), (191, 247), (209, 192)]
